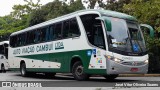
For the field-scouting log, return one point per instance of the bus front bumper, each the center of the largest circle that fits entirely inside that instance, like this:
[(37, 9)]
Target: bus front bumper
[(117, 68)]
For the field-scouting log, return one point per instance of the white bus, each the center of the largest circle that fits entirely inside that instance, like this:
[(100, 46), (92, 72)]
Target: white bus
[(4, 56), (84, 43)]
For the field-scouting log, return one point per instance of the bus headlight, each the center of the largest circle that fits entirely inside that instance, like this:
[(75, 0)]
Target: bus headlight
[(114, 59), (117, 60), (146, 61)]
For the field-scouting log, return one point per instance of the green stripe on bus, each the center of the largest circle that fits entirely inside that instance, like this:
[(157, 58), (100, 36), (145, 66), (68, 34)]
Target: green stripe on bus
[(59, 48), (62, 57), (65, 59)]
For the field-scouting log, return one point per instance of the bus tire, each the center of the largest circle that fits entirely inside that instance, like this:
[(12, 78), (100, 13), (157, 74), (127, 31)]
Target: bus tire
[(23, 70), (3, 68), (78, 72), (111, 77)]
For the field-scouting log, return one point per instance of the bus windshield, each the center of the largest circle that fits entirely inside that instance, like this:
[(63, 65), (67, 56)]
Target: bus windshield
[(125, 37)]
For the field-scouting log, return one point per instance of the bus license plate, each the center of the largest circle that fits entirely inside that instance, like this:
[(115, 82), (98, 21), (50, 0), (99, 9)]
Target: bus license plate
[(134, 69)]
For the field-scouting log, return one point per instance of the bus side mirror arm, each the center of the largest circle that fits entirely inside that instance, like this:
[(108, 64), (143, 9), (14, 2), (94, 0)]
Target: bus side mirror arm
[(151, 30)]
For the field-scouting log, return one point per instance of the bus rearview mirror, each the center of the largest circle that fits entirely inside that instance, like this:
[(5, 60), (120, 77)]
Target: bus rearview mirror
[(107, 23), (151, 30)]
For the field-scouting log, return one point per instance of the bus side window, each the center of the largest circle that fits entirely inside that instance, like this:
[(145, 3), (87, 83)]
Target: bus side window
[(52, 31), (11, 41), (31, 37), (38, 36), (47, 38), (98, 36), (74, 28), (27, 38), (14, 40), (23, 38), (93, 30), (43, 34), (20, 39), (58, 30), (66, 29)]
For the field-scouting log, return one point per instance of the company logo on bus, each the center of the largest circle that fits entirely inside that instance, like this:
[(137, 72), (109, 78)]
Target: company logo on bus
[(99, 60), (134, 63), (59, 45)]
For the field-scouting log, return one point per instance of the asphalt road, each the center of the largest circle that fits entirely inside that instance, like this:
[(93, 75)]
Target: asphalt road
[(61, 81)]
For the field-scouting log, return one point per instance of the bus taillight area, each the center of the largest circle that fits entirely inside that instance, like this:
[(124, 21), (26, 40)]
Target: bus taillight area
[(127, 67)]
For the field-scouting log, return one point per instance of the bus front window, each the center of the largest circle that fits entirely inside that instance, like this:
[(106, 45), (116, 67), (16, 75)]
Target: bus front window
[(125, 38)]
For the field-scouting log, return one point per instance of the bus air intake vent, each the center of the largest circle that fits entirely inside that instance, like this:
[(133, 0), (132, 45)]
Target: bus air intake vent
[(133, 63)]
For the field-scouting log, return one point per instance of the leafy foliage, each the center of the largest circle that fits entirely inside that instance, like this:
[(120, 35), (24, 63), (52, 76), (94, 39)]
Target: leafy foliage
[(53, 10), (21, 10), (147, 11), (17, 20)]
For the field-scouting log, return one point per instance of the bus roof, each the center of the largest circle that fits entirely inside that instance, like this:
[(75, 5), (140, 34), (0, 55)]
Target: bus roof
[(117, 15), (81, 12), (7, 42)]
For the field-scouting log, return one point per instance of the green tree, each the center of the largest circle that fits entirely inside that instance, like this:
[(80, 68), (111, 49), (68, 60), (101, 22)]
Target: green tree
[(147, 11), (116, 5), (21, 10), (36, 17), (77, 5), (17, 20), (92, 3), (2, 22), (52, 10)]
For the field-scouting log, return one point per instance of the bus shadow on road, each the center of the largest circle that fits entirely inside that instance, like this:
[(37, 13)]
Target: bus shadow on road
[(115, 80), (42, 76), (70, 77)]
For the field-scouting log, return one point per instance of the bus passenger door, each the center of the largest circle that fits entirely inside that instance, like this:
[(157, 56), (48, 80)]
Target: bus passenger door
[(98, 60)]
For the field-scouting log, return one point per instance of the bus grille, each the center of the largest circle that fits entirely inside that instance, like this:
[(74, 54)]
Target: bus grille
[(133, 63)]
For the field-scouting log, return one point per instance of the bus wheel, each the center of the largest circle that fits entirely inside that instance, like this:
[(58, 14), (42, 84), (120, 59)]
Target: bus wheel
[(23, 70), (78, 71), (3, 69), (111, 77)]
